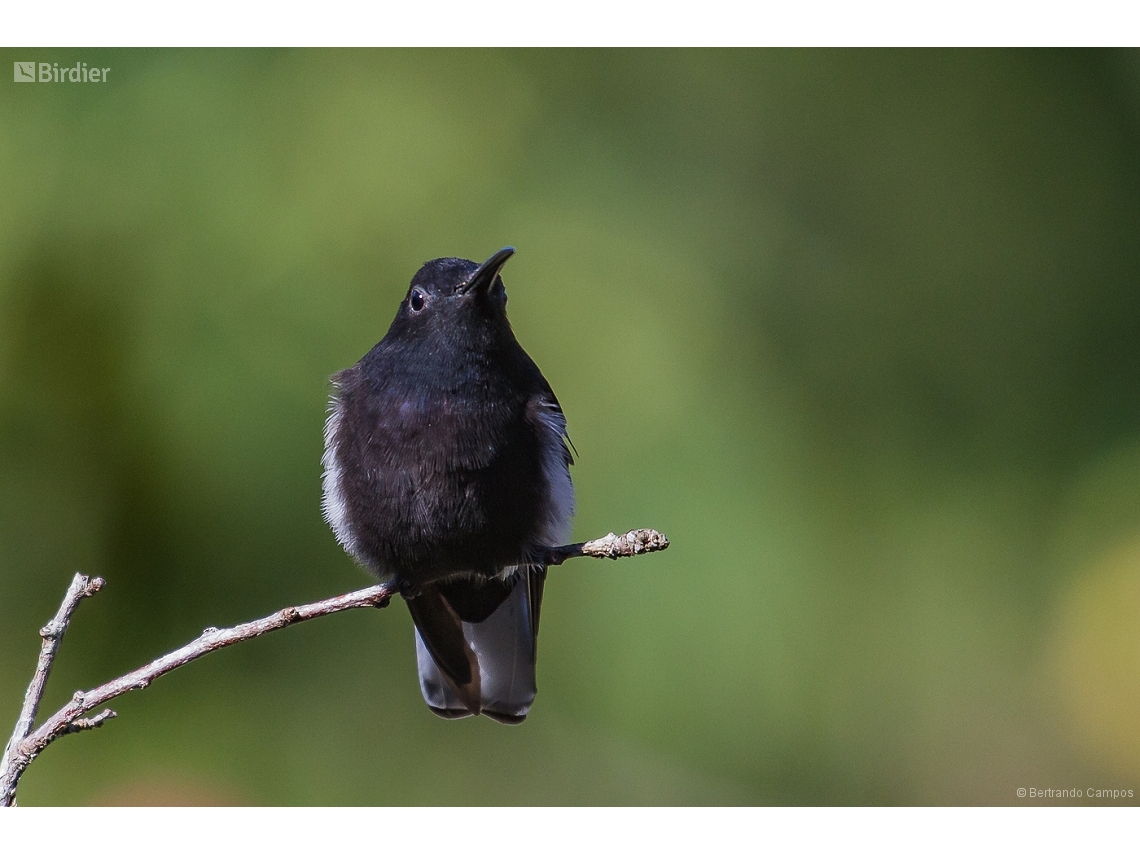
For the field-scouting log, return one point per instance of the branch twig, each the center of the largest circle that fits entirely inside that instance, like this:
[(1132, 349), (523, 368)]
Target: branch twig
[(52, 635), (636, 542), (26, 744)]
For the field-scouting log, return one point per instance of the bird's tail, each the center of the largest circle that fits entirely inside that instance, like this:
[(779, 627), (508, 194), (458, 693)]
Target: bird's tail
[(476, 642)]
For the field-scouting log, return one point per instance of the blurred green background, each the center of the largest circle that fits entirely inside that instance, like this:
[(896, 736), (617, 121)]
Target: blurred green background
[(859, 330)]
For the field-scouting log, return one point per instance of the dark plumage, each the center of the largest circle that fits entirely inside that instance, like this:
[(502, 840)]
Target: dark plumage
[(446, 470)]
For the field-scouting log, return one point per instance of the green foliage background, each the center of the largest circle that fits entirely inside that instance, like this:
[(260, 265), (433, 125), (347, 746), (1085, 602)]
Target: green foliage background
[(859, 330)]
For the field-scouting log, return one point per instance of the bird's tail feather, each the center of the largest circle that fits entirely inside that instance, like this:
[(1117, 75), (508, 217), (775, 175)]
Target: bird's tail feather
[(476, 646)]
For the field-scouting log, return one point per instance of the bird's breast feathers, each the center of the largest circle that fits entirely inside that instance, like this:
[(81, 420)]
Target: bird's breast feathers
[(420, 441)]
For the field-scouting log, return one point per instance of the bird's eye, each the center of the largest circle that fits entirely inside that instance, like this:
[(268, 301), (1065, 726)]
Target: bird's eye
[(416, 300)]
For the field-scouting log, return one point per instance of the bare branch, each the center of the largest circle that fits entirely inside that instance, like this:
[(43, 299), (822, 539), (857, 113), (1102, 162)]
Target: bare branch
[(90, 723), (52, 634), (636, 542), (27, 744), (69, 718)]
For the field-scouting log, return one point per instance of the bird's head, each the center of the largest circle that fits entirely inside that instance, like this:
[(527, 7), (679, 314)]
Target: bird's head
[(455, 299)]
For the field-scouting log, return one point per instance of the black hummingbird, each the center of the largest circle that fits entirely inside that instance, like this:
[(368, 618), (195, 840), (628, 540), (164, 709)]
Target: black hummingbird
[(446, 470)]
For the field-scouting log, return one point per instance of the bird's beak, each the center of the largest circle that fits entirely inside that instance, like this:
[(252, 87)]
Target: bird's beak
[(481, 280)]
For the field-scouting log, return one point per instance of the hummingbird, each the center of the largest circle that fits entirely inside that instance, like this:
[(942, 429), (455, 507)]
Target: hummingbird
[(447, 471)]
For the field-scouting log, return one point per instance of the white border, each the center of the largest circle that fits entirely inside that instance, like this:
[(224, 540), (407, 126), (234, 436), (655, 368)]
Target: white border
[(492, 831), (612, 23)]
